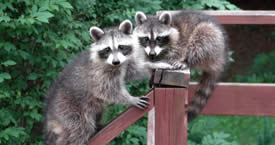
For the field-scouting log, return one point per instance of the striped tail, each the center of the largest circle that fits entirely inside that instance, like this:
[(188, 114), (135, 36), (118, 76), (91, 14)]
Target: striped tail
[(203, 91)]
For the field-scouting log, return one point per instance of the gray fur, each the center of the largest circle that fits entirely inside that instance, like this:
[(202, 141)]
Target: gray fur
[(76, 99), (195, 40)]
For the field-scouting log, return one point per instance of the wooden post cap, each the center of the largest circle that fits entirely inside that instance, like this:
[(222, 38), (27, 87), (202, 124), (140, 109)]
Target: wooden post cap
[(171, 78)]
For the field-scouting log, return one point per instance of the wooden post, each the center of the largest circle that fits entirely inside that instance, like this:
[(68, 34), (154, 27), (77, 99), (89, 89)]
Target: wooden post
[(168, 118)]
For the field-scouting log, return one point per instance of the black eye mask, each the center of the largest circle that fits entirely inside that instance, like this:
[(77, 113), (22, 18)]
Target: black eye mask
[(162, 40), (125, 49), (144, 41), (104, 53)]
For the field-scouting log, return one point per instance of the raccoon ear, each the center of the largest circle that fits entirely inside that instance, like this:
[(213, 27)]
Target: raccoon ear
[(96, 33), (126, 27), (165, 18), (140, 17)]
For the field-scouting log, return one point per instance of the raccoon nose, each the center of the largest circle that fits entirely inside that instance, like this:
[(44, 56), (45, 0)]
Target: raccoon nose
[(152, 53), (116, 62)]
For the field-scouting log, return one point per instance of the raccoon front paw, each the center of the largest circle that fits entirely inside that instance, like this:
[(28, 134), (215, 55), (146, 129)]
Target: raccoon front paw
[(162, 65), (178, 65), (141, 102)]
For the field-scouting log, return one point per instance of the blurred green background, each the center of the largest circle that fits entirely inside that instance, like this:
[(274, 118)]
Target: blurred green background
[(38, 37)]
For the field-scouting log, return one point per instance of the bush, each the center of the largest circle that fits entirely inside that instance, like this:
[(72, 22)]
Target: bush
[(39, 37)]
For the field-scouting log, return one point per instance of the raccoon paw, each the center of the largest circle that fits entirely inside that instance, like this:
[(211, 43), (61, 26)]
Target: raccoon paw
[(178, 65), (141, 102), (192, 112), (162, 65)]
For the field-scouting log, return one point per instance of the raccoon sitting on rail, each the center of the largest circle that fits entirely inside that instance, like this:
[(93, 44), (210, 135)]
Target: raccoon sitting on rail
[(76, 99), (186, 39)]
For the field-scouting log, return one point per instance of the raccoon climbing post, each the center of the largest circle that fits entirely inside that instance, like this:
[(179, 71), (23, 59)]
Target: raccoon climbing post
[(167, 121)]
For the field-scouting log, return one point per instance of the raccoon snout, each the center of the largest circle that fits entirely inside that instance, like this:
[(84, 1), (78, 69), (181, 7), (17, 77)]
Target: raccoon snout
[(152, 54), (115, 62)]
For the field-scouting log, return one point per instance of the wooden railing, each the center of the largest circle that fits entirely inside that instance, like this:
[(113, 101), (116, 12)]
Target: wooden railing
[(167, 120), (241, 17)]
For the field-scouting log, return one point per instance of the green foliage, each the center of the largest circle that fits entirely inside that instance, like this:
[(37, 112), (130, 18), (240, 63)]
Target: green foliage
[(210, 5), (217, 138), (198, 5), (244, 130), (273, 33), (203, 131), (262, 71), (267, 134), (38, 37), (37, 40)]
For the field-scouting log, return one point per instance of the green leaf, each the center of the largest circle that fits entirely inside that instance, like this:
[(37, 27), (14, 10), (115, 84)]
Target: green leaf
[(32, 76), (4, 76), (8, 46), (65, 5), (9, 63), (24, 54), (6, 117), (4, 18), (44, 16), (12, 132)]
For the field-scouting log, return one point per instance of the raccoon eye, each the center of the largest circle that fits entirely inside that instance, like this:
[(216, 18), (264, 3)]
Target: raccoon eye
[(125, 49), (146, 38), (104, 53), (162, 40), (144, 41), (107, 49)]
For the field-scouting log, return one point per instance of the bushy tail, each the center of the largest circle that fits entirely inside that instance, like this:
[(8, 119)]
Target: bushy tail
[(203, 91)]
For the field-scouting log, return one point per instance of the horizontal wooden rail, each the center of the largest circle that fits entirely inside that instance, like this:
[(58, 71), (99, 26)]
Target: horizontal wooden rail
[(240, 99), (240, 17), (120, 123)]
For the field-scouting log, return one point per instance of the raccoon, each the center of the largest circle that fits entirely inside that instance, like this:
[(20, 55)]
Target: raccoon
[(186, 39), (76, 99)]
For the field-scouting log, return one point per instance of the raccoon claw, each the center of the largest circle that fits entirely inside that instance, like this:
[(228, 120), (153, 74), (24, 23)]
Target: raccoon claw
[(142, 102), (178, 65)]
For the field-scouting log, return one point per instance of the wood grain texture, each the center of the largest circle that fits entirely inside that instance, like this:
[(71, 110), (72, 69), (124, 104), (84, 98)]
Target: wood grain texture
[(240, 99), (172, 78), (170, 117), (151, 127), (179, 117), (161, 114), (240, 17), (120, 123)]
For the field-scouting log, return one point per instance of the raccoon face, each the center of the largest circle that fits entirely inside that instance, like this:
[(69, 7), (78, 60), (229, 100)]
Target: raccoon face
[(113, 46), (155, 33)]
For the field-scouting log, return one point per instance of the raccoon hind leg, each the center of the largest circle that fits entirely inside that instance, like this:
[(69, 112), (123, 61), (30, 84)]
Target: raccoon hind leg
[(206, 44), (55, 133)]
